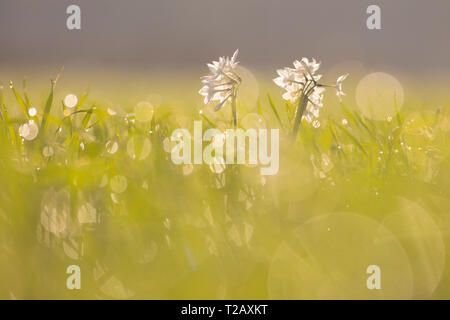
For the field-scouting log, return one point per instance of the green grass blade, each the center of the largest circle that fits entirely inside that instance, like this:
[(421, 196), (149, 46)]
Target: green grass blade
[(82, 99), (48, 107), (25, 94), (259, 108), (6, 119), (19, 100), (209, 121), (348, 114), (336, 138), (371, 133), (399, 116), (334, 133), (274, 109), (86, 118), (355, 141)]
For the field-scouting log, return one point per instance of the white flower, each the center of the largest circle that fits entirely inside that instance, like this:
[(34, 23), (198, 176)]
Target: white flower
[(222, 82), (287, 77), (291, 95), (339, 81), (304, 66), (315, 102), (302, 80), (29, 130)]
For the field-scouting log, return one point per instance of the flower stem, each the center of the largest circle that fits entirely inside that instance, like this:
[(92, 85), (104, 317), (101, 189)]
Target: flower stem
[(233, 109), (299, 114)]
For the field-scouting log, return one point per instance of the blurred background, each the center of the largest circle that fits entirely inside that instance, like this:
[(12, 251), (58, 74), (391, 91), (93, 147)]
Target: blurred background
[(179, 34), (96, 188)]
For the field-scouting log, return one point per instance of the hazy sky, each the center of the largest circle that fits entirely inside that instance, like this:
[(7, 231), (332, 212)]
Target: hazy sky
[(269, 33)]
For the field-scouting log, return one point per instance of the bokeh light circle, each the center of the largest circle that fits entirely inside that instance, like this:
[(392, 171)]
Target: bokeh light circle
[(71, 101), (327, 258), (139, 148), (248, 91), (422, 240), (118, 183), (143, 111), (379, 95)]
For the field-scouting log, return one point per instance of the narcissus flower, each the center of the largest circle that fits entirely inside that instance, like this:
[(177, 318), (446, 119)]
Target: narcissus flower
[(302, 80), (222, 82), (300, 84), (339, 81)]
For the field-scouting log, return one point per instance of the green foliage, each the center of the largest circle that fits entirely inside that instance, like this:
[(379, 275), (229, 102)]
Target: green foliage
[(98, 189)]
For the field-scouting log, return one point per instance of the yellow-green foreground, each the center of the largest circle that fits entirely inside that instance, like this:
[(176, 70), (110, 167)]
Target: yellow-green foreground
[(96, 188)]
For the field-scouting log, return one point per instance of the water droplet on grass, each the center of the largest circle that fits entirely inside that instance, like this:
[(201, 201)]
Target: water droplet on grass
[(29, 130), (32, 112), (71, 101)]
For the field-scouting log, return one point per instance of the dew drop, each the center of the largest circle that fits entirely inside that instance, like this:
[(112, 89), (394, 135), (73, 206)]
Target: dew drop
[(29, 130), (32, 112), (71, 101)]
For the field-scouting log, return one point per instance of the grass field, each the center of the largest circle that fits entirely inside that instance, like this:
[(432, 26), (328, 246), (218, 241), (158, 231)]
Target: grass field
[(96, 188)]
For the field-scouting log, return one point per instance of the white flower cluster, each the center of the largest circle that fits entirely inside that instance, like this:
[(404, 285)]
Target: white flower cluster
[(301, 82), (222, 82), (300, 85)]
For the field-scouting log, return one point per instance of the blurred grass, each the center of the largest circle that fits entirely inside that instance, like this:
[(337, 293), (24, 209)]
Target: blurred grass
[(351, 193)]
